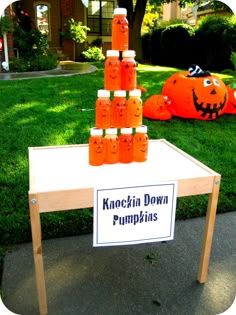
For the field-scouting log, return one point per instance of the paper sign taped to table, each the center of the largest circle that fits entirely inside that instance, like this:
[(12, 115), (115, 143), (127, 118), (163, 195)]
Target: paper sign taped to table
[(134, 214)]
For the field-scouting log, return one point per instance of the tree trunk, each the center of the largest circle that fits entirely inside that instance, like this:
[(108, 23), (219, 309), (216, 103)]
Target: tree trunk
[(135, 42), (135, 17)]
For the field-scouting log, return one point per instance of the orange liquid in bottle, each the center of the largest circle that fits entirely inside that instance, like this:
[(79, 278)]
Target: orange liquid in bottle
[(119, 110), (111, 146), (96, 147), (128, 71), (103, 110), (140, 144), (134, 109), (126, 146), (112, 71), (120, 30)]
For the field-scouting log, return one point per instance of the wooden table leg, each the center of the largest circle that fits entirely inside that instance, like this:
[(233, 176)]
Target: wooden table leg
[(209, 230), (37, 250)]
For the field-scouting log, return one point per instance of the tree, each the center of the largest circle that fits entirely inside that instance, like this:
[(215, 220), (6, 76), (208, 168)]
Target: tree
[(135, 14), (75, 31), (151, 18)]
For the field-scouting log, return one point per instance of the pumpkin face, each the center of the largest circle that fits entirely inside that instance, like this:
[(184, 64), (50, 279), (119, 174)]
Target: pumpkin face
[(137, 108), (129, 68), (140, 143), (134, 111), (113, 146), (113, 69), (119, 112), (103, 112), (121, 23), (96, 144), (196, 97), (126, 143), (157, 107)]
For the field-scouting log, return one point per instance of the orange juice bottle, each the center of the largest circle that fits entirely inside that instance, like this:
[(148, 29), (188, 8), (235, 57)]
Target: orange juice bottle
[(128, 70), (119, 110), (126, 145), (140, 144), (120, 30), (103, 110), (111, 146), (112, 71), (134, 109), (96, 147)]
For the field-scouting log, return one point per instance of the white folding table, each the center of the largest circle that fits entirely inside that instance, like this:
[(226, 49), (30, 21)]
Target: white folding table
[(62, 179)]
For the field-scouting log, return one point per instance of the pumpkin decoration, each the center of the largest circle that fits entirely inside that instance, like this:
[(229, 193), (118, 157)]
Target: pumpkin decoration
[(231, 104), (203, 96), (157, 107), (142, 88)]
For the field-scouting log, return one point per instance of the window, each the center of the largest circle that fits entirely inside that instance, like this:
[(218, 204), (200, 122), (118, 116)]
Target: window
[(100, 15), (42, 18)]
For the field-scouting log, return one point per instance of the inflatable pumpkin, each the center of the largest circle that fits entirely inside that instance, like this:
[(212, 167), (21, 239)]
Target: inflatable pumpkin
[(231, 104), (201, 97), (157, 107)]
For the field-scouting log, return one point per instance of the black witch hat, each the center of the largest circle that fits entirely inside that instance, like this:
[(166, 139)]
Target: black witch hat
[(196, 72)]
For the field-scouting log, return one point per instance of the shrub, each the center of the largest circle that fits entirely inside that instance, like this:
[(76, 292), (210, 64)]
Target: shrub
[(97, 42), (37, 63), (19, 65), (233, 59), (6, 25), (146, 47), (29, 43), (75, 31), (93, 54), (33, 51), (43, 62), (215, 41), (176, 45), (156, 46)]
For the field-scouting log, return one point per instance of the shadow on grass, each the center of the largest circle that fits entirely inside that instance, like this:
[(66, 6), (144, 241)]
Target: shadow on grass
[(38, 113)]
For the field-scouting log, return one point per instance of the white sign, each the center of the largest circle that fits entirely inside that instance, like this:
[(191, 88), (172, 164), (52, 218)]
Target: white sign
[(134, 214)]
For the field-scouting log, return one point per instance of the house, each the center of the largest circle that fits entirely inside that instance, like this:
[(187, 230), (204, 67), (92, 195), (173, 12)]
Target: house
[(50, 17), (191, 15)]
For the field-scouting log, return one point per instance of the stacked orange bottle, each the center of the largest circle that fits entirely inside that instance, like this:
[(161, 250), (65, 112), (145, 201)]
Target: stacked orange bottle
[(128, 70), (111, 146), (140, 142), (112, 71), (120, 76), (103, 110), (126, 145), (134, 109), (119, 109), (120, 30), (96, 147)]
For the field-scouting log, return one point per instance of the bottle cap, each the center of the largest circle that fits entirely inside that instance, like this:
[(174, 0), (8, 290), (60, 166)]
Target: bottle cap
[(141, 129), (128, 54), (135, 93), (126, 131), (112, 53), (120, 11), (103, 93), (96, 132), (111, 131), (120, 93)]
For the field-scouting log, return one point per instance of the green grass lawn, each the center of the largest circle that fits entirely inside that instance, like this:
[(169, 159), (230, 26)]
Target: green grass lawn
[(47, 111)]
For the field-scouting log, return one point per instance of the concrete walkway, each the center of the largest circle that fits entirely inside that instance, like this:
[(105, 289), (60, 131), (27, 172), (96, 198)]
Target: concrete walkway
[(148, 279), (64, 69)]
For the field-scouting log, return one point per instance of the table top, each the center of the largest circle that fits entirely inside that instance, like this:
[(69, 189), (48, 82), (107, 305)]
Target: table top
[(58, 168)]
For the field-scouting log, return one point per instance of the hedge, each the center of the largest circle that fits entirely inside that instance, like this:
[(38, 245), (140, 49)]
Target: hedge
[(210, 44)]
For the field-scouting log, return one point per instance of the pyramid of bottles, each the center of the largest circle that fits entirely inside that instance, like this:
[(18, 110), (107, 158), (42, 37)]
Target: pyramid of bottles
[(118, 135)]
